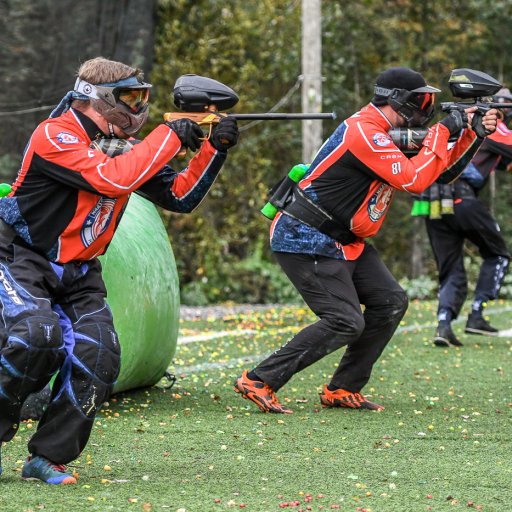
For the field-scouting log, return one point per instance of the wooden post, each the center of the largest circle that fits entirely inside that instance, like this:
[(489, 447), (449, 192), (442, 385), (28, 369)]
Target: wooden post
[(312, 77)]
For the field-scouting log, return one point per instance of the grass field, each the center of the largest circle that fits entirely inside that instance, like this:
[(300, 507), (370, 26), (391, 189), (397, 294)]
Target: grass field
[(442, 444)]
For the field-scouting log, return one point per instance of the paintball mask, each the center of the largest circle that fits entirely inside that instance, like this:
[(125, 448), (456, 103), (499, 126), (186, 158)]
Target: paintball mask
[(416, 107), (123, 104), (407, 93)]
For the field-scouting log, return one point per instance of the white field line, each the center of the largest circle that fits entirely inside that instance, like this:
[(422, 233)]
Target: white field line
[(211, 336), (183, 340), (231, 363), (249, 359)]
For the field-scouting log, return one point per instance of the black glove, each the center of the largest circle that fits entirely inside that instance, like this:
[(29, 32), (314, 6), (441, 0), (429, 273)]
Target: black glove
[(188, 131), (478, 127), (455, 121), (225, 134)]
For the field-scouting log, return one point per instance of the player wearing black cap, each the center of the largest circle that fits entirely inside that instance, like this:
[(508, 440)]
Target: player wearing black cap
[(350, 185)]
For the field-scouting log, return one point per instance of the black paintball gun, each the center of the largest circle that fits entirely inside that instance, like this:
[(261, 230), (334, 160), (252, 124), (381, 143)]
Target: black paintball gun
[(476, 88), (204, 100)]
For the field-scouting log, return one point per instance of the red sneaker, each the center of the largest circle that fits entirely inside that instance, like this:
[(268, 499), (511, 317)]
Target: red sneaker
[(260, 393), (343, 398)]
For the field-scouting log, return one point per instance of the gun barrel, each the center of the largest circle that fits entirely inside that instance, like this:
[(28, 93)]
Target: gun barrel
[(276, 116), (499, 105), (447, 106)]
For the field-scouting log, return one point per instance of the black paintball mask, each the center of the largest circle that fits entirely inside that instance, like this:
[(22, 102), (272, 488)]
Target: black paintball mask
[(407, 93), (123, 104)]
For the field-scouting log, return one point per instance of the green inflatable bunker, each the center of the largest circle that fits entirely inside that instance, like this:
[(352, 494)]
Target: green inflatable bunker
[(143, 293)]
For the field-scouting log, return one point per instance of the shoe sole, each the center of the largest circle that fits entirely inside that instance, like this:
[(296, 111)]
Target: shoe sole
[(67, 481), (471, 330), (342, 405), (443, 342)]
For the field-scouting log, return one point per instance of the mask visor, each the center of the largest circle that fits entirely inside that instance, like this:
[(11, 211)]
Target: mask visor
[(135, 99)]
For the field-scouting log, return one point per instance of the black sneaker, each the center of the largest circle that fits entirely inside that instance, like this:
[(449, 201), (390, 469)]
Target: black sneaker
[(445, 338), (477, 324)]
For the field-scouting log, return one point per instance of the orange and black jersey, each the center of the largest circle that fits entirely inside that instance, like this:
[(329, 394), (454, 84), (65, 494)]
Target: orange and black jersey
[(68, 198), (354, 176)]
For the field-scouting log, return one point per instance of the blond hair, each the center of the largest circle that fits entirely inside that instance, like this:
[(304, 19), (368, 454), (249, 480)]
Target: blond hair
[(101, 71)]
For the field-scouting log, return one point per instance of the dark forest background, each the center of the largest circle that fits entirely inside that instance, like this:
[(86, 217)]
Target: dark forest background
[(254, 47)]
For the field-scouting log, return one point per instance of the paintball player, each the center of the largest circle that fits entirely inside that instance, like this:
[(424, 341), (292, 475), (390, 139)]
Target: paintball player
[(66, 203), (470, 219), (319, 237)]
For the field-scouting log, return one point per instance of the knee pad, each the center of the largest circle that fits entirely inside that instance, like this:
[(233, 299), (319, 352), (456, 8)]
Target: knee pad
[(96, 362), (33, 352), (97, 348), (34, 347)]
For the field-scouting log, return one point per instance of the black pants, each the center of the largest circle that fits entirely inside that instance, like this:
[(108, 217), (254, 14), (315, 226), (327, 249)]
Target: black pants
[(471, 221), (335, 290), (54, 319)]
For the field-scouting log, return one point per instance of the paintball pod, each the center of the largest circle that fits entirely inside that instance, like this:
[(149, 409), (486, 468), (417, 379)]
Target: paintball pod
[(475, 87), (5, 189), (203, 100), (281, 192)]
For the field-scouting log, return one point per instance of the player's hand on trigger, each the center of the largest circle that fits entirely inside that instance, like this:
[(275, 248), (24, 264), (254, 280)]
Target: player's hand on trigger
[(225, 134), (188, 131), (490, 121), (483, 124)]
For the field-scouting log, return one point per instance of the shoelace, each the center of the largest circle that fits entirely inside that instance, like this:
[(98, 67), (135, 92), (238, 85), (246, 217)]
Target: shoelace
[(59, 467)]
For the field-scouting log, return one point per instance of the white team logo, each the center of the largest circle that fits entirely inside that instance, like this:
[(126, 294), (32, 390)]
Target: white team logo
[(67, 138), (381, 139)]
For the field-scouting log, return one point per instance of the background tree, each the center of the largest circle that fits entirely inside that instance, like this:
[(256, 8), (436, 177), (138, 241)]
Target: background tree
[(254, 47)]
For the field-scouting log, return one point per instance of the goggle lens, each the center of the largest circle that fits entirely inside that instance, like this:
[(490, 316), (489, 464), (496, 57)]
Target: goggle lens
[(134, 99), (424, 101)]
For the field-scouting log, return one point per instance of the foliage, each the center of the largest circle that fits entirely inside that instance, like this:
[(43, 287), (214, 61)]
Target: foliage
[(251, 280), (423, 287), (230, 42)]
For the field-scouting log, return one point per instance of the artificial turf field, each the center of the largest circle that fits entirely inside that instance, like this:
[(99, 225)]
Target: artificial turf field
[(443, 442)]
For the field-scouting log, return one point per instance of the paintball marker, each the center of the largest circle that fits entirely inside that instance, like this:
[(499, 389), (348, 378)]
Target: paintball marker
[(475, 87), (204, 99)]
